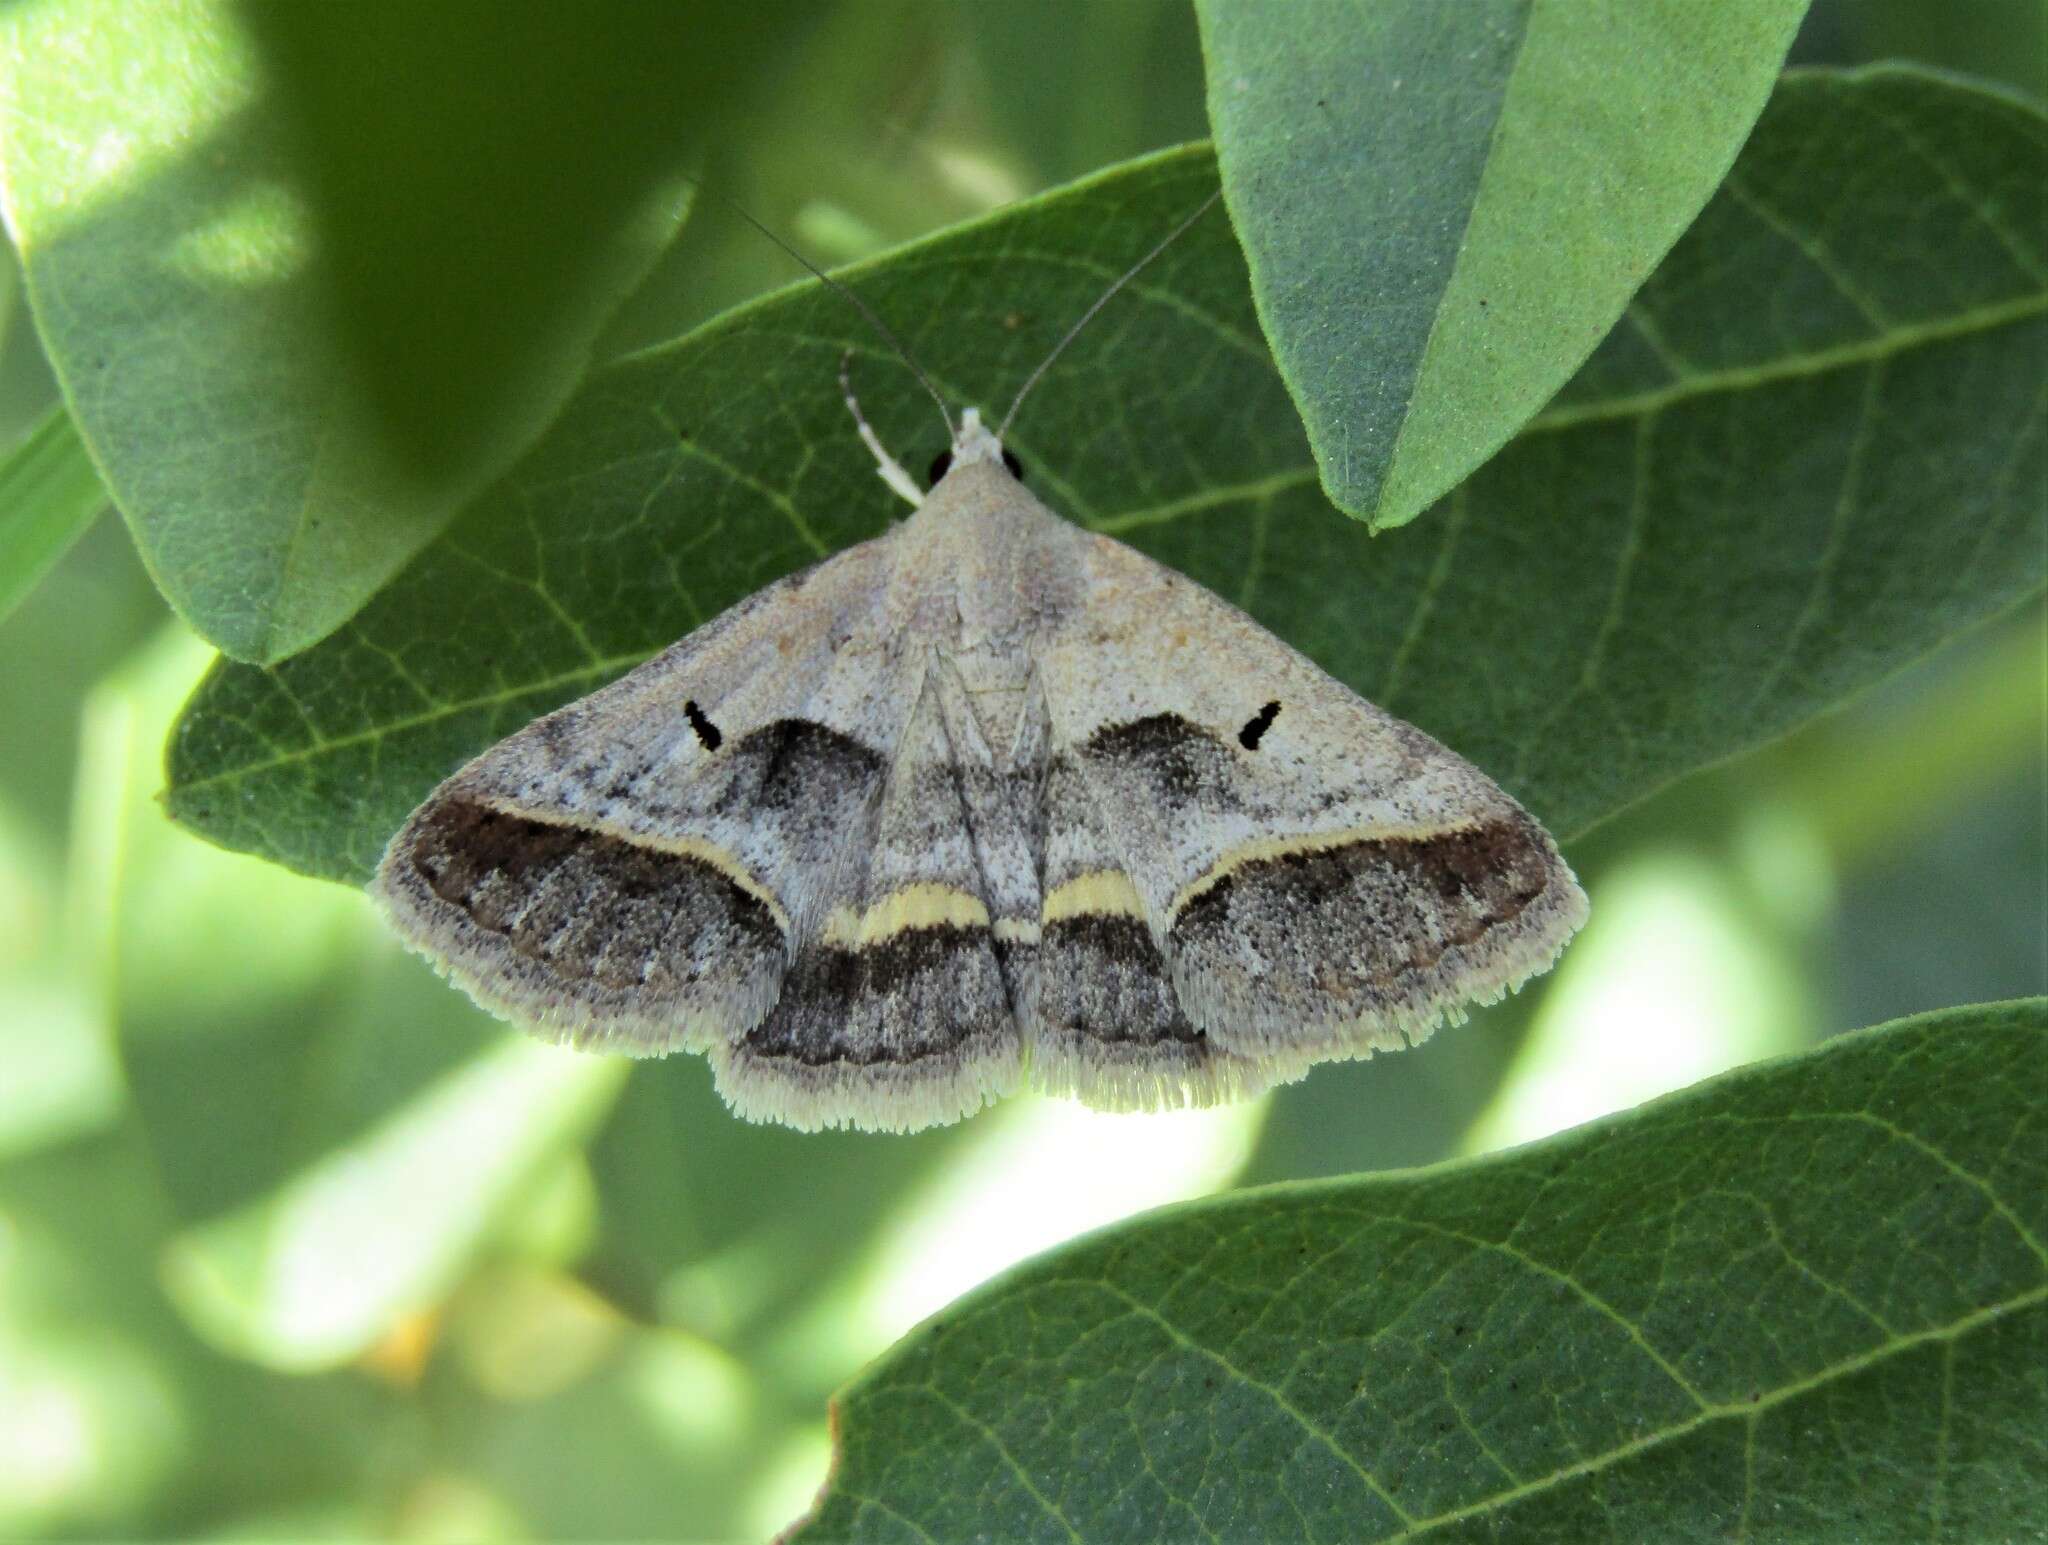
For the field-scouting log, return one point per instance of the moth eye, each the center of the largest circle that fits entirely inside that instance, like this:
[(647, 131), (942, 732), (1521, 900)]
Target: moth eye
[(707, 732), (1256, 727), (1016, 467), (941, 465)]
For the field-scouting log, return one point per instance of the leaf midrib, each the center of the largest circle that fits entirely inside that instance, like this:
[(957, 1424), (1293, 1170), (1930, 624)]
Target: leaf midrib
[(1722, 1411), (1414, 1528), (1865, 351)]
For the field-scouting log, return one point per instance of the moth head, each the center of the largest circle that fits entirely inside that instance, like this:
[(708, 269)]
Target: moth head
[(974, 441)]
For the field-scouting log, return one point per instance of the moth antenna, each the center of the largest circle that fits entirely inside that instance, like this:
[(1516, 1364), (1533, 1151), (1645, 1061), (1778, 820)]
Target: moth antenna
[(1101, 300), (874, 321)]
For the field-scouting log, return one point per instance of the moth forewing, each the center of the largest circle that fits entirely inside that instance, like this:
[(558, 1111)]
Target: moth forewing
[(987, 801)]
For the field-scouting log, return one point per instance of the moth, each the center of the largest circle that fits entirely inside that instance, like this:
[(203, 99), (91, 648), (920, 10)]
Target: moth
[(989, 801)]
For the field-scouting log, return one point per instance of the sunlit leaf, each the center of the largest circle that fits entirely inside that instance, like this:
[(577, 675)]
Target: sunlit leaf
[(1445, 208), (1806, 457), (312, 1274), (257, 240), (1806, 1300)]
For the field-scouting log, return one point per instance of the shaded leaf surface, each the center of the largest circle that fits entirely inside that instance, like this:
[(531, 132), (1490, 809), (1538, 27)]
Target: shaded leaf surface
[(528, 141), (1811, 452), (1805, 1300), (1445, 208), (214, 303)]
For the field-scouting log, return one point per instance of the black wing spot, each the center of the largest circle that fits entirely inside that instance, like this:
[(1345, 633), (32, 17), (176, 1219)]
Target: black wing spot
[(707, 732), (1256, 727), (941, 465), (1016, 467)]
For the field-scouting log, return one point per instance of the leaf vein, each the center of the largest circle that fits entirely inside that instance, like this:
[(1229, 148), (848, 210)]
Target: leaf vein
[(1839, 519), (989, 1435), (1278, 1397), (1747, 1409), (1815, 252), (1590, 1298), (2027, 261), (1791, 367), (1451, 526), (377, 733)]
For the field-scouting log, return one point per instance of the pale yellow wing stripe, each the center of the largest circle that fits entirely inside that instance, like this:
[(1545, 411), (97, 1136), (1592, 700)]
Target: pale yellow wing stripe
[(707, 853), (915, 906), (1307, 842), (1099, 892)]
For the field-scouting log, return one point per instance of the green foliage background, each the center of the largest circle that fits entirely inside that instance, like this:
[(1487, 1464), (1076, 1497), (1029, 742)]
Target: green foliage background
[(295, 1243)]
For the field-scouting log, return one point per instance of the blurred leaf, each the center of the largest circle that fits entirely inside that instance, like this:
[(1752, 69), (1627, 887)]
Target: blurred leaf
[(1681, 974), (96, 607), (489, 177), (57, 1063), (152, 906), (312, 1275), (88, 1430), (851, 149), (732, 1262), (343, 1521), (1960, 908), (653, 1442), (49, 494), (263, 297), (1697, 548), (2001, 40), (1394, 1112), (1445, 208), (1801, 1301), (222, 1044), (27, 389), (128, 1455), (1077, 85), (1977, 721)]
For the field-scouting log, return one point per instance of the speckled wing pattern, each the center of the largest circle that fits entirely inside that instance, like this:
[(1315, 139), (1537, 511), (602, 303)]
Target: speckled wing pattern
[(987, 801)]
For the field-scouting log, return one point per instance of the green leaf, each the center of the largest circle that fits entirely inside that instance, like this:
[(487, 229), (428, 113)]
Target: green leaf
[(1809, 455), (1120, 78), (1806, 1300), (49, 494), (491, 176), (254, 235), (1445, 208)]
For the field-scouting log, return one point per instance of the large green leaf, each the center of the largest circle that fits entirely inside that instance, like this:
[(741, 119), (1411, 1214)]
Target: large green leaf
[(1811, 453), (1445, 208), (1806, 1300), (489, 176), (257, 240)]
